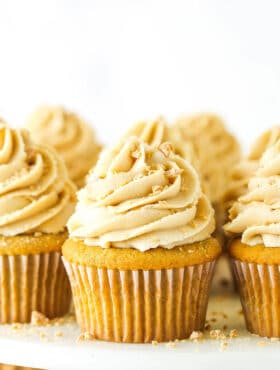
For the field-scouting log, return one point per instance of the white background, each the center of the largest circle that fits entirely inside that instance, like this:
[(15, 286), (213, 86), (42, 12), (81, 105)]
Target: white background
[(116, 62)]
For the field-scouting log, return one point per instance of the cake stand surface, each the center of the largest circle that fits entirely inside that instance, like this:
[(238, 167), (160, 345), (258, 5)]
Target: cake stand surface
[(56, 346)]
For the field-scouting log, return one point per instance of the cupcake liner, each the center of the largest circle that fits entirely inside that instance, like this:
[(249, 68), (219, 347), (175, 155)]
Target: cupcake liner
[(140, 306), (34, 282), (259, 288)]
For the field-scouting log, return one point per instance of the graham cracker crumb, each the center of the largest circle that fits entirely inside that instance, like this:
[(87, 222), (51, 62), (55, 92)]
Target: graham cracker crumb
[(154, 342), (171, 344), (233, 333), (17, 326), (85, 336), (42, 334), (217, 334), (207, 327), (223, 346), (262, 344), (196, 336), (273, 339), (136, 154), (166, 148), (156, 188), (59, 334), (63, 320), (39, 319)]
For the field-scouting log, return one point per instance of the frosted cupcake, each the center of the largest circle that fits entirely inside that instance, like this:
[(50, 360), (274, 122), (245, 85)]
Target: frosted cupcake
[(36, 200), (140, 256), (255, 222), (73, 139)]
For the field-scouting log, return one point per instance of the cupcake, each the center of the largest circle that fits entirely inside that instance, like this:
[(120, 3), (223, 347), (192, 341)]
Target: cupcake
[(255, 251), (36, 200), (140, 255), (72, 138)]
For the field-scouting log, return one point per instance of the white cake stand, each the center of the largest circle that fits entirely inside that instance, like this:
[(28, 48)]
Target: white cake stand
[(56, 347)]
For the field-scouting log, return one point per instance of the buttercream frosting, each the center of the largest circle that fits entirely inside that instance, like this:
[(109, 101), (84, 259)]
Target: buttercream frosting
[(216, 149), (256, 215), (242, 171), (143, 197), (36, 194), (73, 139), (156, 132)]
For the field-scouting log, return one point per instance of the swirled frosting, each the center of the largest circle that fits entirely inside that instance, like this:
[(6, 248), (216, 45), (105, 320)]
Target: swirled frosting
[(264, 141), (142, 197), (256, 215), (216, 149), (73, 139), (242, 171), (156, 132), (35, 192)]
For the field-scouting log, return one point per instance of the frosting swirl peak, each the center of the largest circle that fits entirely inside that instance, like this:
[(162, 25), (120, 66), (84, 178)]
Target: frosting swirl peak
[(142, 197), (35, 192), (156, 132), (256, 215), (72, 138)]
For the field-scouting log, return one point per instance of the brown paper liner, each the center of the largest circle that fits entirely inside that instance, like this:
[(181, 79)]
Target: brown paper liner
[(34, 282), (140, 306), (259, 288)]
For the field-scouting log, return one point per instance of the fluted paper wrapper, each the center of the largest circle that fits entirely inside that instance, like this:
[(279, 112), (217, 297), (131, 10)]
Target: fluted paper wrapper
[(34, 282), (259, 288), (140, 306)]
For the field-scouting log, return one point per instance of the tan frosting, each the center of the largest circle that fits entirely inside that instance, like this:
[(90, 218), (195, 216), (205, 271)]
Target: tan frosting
[(156, 132), (238, 181), (141, 197), (69, 135), (241, 172), (35, 192), (264, 141), (216, 149), (256, 215)]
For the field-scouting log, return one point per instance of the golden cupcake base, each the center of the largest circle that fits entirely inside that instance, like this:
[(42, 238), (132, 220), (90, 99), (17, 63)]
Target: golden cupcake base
[(258, 279), (141, 305)]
